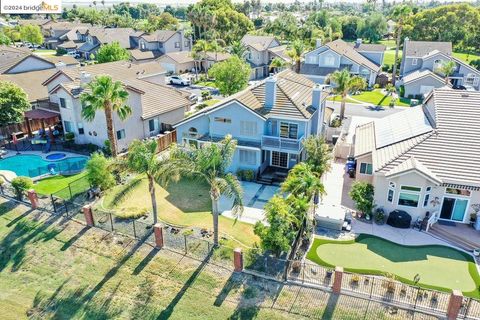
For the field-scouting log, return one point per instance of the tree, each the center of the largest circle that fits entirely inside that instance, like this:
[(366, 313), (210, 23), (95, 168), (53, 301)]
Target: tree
[(318, 154), (32, 34), (230, 75), (277, 64), (344, 83), (279, 234), (447, 68), (112, 52), (374, 28), (13, 103), (4, 39), (200, 50), (296, 54), (302, 182), (142, 159), (400, 14), (238, 49), (363, 195), (98, 172), (105, 94), (210, 164), (285, 26), (20, 185)]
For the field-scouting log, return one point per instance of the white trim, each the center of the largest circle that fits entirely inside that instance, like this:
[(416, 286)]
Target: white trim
[(398, 174), (249, 148), (454, 197), (419, 193), (360, 168)]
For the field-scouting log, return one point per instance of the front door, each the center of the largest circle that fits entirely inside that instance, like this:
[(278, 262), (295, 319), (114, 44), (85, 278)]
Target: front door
[(279, 159), (453, 209)]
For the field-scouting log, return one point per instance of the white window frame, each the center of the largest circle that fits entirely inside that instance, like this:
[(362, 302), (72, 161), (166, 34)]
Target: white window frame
[(391, 187), (419, 193), (70, 124), (289, 125), (329, 60), (248, 128), (426, 197), (414, 61), (366, 166), (247, 157), (80, 127), (121, 137), (474, 79)]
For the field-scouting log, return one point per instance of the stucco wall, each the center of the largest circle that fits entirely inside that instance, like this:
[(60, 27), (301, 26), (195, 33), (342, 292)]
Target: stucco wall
[(414, 87), (31, 64)]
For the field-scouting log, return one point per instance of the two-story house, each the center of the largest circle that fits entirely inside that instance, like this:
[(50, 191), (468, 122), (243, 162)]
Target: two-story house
[(94, 37), (360, 59), (161, 41), (269, 121), (425, 158), (56, 32), (261, 51), (419, 69), (155, 106)]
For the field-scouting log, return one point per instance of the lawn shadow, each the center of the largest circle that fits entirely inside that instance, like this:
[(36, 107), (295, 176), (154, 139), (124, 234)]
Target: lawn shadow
[(331, 306), (189, 195), (145, 261), (73, 239), (126, 190)]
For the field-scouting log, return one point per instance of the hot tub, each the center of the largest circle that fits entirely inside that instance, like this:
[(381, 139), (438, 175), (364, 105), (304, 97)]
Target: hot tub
[(329, 216), (55, 156)]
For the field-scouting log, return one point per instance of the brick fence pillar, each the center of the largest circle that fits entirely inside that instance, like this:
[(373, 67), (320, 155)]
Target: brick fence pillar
[(238, 260), (88, 214), (33, 197), (158, 232), (337, 280), (454, 304)]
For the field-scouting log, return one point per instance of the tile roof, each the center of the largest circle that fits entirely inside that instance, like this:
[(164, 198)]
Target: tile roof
[(70, 44), (31, 82), (364, 139), (108, 35), (343, 48), (281, 52), (158, 35), (368, 47), (419, 74), (179, 56), (259, 43), (11, 56), (68, 60), (138, 54), (421, 48)]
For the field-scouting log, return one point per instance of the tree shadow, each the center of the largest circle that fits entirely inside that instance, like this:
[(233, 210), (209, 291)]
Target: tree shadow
[(189, 195), (125, 190), (145, 261), (73, 239)]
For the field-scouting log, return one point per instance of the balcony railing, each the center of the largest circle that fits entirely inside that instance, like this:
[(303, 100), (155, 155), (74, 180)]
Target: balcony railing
[(282, 144)]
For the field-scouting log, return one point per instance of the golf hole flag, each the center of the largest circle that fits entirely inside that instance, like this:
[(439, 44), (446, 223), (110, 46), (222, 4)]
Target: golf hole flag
[(30, 6)]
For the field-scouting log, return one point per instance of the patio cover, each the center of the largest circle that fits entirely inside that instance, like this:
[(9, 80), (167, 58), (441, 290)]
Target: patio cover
[(38, 114)]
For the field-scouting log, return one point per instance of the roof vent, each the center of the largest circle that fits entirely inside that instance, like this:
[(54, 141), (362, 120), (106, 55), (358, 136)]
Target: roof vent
[(465, 95)]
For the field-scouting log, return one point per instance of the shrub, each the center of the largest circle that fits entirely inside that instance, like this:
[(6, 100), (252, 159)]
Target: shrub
[(246, 174), (107, 148), (206, 95), (20, 184), (379, 216), (98, 173), (402, 91), (362, 193), (201, 106), (69, 136), (61, 52), (376, 86), (130, 213)]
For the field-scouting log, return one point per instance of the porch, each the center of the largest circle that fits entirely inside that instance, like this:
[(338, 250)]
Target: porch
[(459, 234), (272, 175)]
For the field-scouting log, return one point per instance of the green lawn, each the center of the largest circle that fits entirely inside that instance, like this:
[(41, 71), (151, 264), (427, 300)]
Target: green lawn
[(389, 56), (377, 98), (186, 203), (390, 44), (467, 57), (45, 52), (54, 184), (211, 102), (439, 267), (339, 99), (210, 84)]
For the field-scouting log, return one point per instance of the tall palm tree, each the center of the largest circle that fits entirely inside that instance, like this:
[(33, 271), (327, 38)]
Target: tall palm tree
[(142, 158), (400, 14), (237, 48), (296, 53), (277, 63), (302, 182), (201, 48), (318, 154), (446, 69), (344, 83), (103, 93), (208, 163)]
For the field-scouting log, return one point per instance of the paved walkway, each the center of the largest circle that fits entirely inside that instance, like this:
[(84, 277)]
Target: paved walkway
[(337, 185)]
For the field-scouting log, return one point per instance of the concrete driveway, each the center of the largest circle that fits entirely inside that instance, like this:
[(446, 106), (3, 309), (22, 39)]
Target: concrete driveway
[(255, 196), (337, 185)]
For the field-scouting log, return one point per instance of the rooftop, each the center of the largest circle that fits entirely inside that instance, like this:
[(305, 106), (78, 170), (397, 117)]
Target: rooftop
[(422, 48)]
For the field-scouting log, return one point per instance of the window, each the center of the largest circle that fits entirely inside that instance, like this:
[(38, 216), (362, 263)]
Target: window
[(288, 130), (471, 80), (187, 43), (63, 103), (248, 157), (249, 55), (80, 128), (329, 60), (409, 196), (426, 198), (366, 168), (460, 192), (391, 191), (220, 119), (177, 44), (67, 126), (152, 125), (142, 45), (121, 134), (248, 128), (437, 64), (192, 132), (414, 61), (293, 157)]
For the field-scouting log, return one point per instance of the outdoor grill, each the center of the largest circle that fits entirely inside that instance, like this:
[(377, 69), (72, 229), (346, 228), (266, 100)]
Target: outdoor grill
[(399, 219)]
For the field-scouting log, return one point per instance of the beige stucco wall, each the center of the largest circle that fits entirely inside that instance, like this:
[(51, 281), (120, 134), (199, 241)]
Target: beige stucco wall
[(364, 177)]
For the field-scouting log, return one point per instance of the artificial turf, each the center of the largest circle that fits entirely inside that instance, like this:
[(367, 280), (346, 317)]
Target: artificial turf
[(440, 267)]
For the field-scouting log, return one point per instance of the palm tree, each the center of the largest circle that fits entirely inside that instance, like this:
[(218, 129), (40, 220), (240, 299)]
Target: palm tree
[(446, 69), (318, 154), (142, 159), (400, 14), (344, 84), (201, 48), (208, 163), (302, 182), (237, 48), (104, 94), (277, 63), (296, 53)]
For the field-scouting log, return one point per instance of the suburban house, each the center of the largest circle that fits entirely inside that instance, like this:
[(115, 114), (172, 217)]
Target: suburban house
[(419, 68), (360, 59), (19, 60), (57, 33), (269, 120), (160, 42), (183, 61), (94, 37), (155, 107), (261, 51), (425, 158)]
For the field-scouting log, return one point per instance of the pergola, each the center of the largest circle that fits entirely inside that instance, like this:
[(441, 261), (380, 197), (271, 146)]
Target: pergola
[(40, 115)]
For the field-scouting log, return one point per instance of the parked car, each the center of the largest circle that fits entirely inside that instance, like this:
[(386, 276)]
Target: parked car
[(74, 54), (179, 80)]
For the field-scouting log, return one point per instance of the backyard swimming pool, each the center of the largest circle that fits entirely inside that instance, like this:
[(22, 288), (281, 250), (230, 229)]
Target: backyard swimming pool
[(55, 156), (33, 166)]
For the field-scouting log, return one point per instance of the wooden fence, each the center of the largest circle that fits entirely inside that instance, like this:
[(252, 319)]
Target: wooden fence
[(164, 141)]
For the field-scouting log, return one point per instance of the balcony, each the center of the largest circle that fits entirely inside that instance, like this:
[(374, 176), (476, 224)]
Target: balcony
[(282, 144)]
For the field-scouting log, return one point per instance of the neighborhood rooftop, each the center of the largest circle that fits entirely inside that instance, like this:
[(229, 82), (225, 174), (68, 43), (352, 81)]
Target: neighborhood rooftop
[(422, 48)]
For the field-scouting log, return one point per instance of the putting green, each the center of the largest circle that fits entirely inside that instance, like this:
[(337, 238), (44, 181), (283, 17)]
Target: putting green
[(439, 267)]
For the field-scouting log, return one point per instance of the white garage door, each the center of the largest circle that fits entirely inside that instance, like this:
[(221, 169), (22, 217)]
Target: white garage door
[(426, 89), (169, 67)]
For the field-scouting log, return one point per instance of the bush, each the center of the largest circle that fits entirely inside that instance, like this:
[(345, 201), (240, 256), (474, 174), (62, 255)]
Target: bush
[(20, 184), (61, 52), (246, 174), (98, 173), (69, 136), (362, 193), (376, 86), (107, 148), (379, 216), (201, 106), (402, 91), (206, 95)]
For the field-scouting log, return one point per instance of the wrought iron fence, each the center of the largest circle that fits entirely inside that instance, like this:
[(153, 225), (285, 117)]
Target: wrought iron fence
[(305, 272)]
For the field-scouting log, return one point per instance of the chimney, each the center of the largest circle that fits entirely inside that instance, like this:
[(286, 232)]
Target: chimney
[(85, 77), (317, 104), (270, 92), (318, 43), (316, 96), (359, 41), (60, 65)]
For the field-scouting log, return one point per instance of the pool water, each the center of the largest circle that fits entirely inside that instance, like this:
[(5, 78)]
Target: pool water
[(56, 156), (33, 166)]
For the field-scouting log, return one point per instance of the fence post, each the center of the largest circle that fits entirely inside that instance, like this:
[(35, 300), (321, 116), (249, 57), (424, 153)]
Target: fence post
[(53, 203), (88, 213), (337, 280), (185, 243), (454, 304), (158, 232), (70, 191), (33, 197), (134, 231), (111, 220), (237, 260)]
